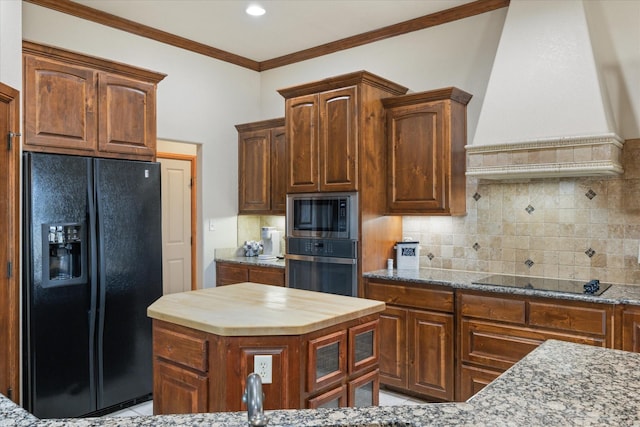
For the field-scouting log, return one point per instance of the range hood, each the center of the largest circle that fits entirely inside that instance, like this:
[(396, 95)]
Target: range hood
[(544, 113)]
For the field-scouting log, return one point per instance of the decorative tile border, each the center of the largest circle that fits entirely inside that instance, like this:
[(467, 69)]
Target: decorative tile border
[(596, 155)]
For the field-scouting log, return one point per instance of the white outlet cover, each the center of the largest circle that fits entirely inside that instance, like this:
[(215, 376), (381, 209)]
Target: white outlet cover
[(262, 365)]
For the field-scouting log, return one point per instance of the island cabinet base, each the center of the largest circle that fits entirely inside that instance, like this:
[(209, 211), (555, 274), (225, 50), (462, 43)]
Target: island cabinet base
[(197, 371)]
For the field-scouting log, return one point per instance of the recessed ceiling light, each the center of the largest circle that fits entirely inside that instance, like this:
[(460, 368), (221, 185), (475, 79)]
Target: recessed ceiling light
[(255, 10)]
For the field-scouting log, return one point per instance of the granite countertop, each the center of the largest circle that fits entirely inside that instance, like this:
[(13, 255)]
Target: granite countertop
[(232, 255), (458, 279), (253, 309), (557, 384)]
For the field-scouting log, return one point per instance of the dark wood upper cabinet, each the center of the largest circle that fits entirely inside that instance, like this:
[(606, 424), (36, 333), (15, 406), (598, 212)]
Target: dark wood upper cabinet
[(333, 126), (76, 104), (261, 167), (426, 136), (127, 119), (60, 105)]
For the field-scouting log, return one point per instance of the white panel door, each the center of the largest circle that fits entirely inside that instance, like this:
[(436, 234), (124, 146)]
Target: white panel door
[(176, 225)]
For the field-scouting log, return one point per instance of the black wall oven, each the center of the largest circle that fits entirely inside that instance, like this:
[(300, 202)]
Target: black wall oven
[(324, 265), (322, 242)]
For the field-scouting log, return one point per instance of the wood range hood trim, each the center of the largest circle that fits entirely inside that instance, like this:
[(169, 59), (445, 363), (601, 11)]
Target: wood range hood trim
[(576, 156)]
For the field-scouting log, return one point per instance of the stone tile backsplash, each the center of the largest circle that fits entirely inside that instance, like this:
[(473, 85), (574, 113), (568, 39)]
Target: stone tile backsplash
[(249, 227), (570, 228), (575, 228)]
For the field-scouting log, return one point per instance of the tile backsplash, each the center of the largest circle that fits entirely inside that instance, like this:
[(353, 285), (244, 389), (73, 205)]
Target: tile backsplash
[(249, 227), (572, 228)]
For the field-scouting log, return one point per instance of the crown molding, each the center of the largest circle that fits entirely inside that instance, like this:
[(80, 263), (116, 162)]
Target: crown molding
[(84, 12)]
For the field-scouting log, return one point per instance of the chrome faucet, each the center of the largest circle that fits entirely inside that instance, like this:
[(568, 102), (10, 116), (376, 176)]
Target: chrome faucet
[(254, 398)]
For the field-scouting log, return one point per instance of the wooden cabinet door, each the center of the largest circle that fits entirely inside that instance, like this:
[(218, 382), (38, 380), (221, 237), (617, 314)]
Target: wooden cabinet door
[(474, 379), (431, 363), (417, 158), (302, 144), (175, 389), (365, 390), (334, 398), (326, 360), (60, 109), (631, 330), (338, 143), (127, 123), (278, 171), (393, 347), (254, 174)]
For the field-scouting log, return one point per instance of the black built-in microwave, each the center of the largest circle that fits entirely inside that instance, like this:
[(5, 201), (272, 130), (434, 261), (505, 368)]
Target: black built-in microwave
[(323, 215)]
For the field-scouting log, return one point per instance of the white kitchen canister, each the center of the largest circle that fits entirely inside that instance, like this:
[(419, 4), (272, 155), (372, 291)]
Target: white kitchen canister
[(408, 255)]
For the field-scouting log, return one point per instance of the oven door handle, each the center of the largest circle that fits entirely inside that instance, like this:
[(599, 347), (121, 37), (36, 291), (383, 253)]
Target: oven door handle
[(325, 259)]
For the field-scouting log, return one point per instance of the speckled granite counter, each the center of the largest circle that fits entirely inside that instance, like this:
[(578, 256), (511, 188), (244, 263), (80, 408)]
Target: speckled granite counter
[(616, 294), (232, 255), (557, 384)]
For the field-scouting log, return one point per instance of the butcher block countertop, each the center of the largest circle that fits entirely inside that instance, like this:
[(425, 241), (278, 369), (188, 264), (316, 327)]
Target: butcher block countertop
[(252, 309)]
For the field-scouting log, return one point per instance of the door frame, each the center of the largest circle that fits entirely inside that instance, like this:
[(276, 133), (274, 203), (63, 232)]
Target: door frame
[(194, 223), (11, 96)]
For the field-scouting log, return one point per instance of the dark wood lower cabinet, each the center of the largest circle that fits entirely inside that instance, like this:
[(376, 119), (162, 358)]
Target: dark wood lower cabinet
[(228, 273), (444, 344), (473, 379), (196, 371), (431, 366), (177, 388), (496, 331), (393, 347), (631, 329), (416, 343)]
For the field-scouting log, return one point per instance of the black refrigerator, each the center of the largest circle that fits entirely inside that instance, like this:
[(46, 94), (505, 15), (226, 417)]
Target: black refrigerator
[(92, 265)]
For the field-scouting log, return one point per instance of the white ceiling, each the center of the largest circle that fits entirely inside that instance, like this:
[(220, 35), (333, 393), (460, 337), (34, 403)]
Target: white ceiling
[(288, 26)]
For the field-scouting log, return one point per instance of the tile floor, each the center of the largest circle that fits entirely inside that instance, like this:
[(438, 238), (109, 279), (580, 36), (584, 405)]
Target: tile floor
[(387, 398)]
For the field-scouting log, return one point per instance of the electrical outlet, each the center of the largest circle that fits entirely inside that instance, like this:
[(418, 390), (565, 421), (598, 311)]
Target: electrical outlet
[(262, 365)]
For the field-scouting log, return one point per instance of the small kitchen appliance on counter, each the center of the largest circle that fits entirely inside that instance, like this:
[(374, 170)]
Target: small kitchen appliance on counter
[(407, 255), (270, 243)]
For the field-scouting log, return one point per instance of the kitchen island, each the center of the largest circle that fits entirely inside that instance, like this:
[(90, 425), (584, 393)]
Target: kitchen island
[(318, 349), (557, 384)]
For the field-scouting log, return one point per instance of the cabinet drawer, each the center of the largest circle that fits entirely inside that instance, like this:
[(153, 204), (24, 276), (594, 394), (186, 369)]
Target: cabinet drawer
[(267, 275), (493, 308), (411, 296), (496, 346), (568, 317), (184, 348), (500, 346), (231, 273)]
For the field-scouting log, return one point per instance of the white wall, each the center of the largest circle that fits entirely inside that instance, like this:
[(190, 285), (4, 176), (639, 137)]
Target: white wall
[(201, 98), (458, 54), (11, 43), (198, 102)]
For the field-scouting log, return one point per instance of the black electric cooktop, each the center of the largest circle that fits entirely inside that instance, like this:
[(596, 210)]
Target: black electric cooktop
[(592, 287)]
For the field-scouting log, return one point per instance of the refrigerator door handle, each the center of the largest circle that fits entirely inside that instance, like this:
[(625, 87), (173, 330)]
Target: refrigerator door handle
[(93, 280), (100, 279)]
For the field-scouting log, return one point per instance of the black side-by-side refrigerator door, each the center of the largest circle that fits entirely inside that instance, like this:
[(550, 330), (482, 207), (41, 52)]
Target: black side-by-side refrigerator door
[(130, 269), (57, 296)]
